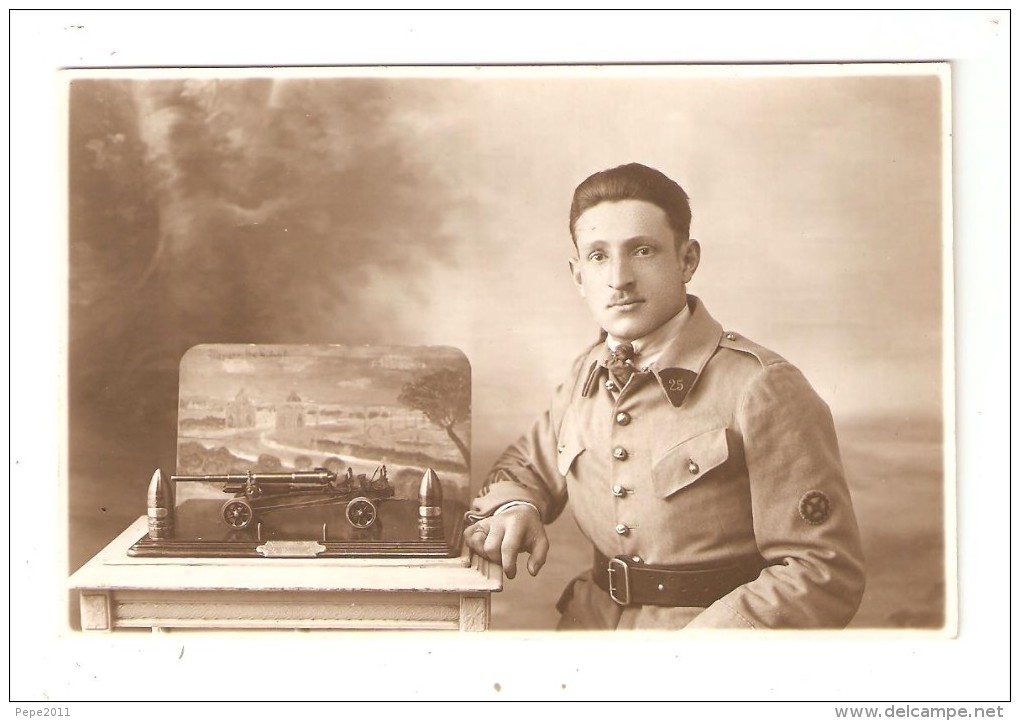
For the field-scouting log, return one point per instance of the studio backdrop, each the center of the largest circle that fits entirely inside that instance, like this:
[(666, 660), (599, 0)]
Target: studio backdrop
[(429, 206)]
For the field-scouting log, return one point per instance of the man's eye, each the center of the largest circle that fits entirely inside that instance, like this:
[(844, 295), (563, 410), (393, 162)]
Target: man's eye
[(597, 256), (643, 250)]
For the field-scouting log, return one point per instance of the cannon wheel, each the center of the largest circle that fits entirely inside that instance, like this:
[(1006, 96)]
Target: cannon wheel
[(238, 513), (361, 512)]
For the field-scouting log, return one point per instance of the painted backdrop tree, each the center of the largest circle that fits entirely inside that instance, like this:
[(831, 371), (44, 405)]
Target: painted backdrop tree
[(445, 398)]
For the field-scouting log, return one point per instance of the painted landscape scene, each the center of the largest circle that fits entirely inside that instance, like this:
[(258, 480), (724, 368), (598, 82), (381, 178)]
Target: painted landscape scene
[(349, 409)]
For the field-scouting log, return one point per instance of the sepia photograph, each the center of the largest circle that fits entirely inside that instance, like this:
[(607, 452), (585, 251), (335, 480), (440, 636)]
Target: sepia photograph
[(469, 355), (777, 462)]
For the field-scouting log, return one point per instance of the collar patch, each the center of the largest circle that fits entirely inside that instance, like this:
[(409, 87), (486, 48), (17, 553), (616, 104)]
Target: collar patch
[(677, 383)]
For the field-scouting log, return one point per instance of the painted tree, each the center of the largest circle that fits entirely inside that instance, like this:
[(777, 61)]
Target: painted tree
[(189, 198), (445, 398)]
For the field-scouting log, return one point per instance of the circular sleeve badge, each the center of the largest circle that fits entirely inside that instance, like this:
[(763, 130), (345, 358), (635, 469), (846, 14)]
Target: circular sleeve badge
[(815, 507)]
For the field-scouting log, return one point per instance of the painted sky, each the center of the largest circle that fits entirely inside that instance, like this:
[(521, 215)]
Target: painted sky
[(341, 375)]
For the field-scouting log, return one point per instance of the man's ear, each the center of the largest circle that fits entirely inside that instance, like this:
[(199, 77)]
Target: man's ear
[(575, 273), (690, 258)]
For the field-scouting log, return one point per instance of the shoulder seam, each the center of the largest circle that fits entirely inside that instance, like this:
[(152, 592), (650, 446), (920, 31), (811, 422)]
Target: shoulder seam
[(771, 360), (763, 355)]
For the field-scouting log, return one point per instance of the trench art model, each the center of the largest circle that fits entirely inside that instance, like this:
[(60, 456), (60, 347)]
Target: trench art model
[(288, 451)]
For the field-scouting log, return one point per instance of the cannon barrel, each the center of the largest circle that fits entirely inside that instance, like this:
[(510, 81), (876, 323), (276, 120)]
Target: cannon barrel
[(310, 478)]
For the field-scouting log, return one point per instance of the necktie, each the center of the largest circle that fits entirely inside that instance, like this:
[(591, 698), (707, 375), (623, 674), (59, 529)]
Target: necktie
[(619, 363)]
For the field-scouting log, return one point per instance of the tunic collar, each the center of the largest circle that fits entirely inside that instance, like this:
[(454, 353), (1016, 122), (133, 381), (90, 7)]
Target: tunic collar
[(651, 347), (681, 361)]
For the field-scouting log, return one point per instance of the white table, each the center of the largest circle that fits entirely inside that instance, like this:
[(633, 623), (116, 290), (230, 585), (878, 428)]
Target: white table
[(118, 591)]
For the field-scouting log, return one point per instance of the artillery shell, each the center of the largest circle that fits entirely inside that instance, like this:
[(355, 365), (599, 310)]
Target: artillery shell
[(430, 507), (161, 507)]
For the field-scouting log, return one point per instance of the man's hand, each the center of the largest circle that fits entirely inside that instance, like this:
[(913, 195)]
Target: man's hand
[(502, 536)]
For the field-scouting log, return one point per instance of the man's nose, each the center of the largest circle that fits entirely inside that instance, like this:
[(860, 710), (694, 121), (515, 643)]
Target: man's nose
[(620, 273)]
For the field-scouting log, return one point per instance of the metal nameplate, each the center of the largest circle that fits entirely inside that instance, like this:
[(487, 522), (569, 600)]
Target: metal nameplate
[(290, 549)]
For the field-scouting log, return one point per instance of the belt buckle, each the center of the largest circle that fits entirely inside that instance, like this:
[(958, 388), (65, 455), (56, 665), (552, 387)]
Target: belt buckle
[(619, 566)]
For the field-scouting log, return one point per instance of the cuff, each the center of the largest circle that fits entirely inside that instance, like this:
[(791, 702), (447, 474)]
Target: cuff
[(511, 504), (498, 495), (474, 517)]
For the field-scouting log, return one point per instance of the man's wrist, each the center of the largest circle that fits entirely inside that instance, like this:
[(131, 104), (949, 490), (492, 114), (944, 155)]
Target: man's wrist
[(514, 504), (476, 517)]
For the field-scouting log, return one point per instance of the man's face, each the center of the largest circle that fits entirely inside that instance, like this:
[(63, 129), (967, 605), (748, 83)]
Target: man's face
[(629, 267)]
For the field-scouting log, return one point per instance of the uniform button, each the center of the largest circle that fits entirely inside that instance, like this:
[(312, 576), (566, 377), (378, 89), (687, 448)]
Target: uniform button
[(610, 386), (619, 491), (623, 418), (731, 336), (620, 454), (622, 529), (692, 466)]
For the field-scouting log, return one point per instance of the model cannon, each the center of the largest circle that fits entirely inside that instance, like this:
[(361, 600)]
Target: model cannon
[(257, 494)]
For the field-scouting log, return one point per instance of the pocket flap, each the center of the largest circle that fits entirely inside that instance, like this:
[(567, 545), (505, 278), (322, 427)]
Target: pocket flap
[(568, 447), (686, 462)]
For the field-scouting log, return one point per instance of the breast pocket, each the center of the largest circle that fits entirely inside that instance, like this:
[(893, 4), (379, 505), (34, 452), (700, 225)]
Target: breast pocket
[(569, 446), (689, 461)]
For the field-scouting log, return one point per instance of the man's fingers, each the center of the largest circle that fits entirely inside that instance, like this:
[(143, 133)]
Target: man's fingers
[(502, 539), (510, 548), (475, 536), (539, 551), (491, 549)]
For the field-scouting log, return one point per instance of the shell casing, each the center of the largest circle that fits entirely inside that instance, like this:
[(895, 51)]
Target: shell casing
[(430, 528), (161, 528), (160, 507)]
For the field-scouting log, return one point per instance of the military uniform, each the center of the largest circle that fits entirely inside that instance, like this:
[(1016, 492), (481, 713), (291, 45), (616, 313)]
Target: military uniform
[(718, 467)]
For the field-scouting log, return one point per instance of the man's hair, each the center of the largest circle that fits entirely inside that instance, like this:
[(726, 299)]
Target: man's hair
[(634, 182)]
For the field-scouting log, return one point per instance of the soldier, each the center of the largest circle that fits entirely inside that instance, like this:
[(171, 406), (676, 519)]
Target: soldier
[(703, 468)]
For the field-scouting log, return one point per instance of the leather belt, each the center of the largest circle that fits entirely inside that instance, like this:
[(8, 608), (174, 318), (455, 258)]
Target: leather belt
[(630, 583)]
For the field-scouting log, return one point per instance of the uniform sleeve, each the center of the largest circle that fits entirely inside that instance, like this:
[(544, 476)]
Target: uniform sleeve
[(527, 470), (804, 522)]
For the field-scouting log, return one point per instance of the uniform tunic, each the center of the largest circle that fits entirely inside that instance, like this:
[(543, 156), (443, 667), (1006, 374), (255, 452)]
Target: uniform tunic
[(721, 452)]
